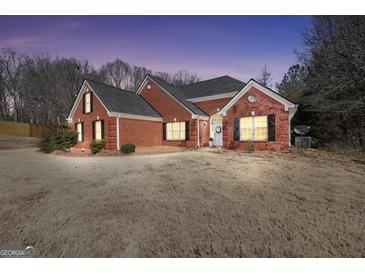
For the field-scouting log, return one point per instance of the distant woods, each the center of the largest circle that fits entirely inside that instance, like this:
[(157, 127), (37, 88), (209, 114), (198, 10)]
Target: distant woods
[(40, 89), (329, 82)]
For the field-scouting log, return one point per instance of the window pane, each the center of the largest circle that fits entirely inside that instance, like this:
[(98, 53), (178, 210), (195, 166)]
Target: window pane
[(246, 134), (175, 131), (246, 122), (260, 133), (87, 103), (261, 121), (79, 131), (98, 130), (260, 127), (182, 130), (246, 128)]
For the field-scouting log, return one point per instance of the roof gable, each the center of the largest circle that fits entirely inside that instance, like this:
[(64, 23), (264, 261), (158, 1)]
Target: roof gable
[(253, 83), (117, 100), (174, 92)]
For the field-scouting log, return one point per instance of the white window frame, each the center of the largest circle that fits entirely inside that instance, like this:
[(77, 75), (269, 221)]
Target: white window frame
[(98, 122), (253, 129), (181, 130), (79, 133), (87, 107)]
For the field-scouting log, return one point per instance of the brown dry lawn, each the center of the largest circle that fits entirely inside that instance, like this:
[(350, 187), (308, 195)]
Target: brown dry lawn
[(187, 204)]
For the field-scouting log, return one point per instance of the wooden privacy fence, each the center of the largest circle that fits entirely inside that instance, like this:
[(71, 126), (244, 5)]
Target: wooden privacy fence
[(27, 130)]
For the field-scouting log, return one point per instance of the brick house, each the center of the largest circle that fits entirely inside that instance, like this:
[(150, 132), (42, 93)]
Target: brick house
[(231, 112)]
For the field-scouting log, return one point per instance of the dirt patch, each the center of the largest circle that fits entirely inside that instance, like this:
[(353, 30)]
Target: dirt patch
[(184, 204)]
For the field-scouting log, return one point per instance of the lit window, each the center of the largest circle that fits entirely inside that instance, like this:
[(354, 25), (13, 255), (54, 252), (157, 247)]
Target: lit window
[(98, 130), (175, 131), (88, 102), (79, 129), (253, 128)]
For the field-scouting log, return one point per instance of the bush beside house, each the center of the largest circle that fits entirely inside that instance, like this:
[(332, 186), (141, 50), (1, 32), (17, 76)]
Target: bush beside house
[(62, 140), (128, 148), (97, 145)]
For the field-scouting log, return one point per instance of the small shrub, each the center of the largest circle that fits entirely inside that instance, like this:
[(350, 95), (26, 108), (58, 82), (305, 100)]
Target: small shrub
[(97, 145), (211, 139), (128, 148), (250, 147), (61, 140)]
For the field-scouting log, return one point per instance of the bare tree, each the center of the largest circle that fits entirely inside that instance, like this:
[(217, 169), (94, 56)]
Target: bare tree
[(11, 80), (183, 77), (265, 77), (117, 73)]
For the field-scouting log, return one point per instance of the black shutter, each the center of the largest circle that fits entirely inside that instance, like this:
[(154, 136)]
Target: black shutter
[(187, 131), (93, 123), (102, 129), (164, 131), (236, 129), (82, 131), (83, 103), (271, 127), (91, 102)]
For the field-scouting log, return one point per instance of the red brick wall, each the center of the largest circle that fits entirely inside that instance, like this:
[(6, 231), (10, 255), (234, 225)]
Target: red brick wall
[(170, 110), (98, 110), (210, 107), (204, 133), (140, 132), (263, 106)]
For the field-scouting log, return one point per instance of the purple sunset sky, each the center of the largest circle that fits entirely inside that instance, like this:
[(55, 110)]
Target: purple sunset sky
[(211, 46)]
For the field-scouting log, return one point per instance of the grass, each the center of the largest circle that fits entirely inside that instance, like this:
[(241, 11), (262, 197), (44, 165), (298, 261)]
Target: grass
[(190, 204)]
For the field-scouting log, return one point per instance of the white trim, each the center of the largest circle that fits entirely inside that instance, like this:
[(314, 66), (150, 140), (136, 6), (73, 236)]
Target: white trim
[(118, 140), (287, 104), (212, 97), (139, 90), (292, 111), (198, 129), (173, 97), (132, 116), (78, 98), (194, 116)]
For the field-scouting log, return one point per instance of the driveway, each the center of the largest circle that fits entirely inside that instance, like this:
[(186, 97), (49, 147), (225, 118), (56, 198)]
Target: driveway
[(186, 204)]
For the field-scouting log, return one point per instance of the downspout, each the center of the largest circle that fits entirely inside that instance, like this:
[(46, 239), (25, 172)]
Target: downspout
[(198, 128), (118, 140)]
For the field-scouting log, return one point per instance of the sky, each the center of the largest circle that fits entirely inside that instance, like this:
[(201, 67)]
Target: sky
[(211, 46)]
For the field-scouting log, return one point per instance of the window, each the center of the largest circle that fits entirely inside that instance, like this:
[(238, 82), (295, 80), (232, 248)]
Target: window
[(87, 102), (253, 128), (252, 98), (80, 131), (175, 131), (98, 130)]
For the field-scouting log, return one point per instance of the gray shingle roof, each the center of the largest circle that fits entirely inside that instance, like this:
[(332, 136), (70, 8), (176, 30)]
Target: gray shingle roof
[(122, 101), (179, 95), (220, 85)]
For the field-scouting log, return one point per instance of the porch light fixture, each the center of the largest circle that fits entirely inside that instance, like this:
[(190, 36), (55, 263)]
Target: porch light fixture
[(149, 86), (253, 113), (252, 98)]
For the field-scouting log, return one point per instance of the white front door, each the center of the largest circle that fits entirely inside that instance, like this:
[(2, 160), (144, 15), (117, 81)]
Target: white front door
[(218, 133)]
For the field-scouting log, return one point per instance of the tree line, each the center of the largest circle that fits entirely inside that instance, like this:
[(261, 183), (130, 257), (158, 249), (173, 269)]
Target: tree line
[(328, 83), (40, 89)]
